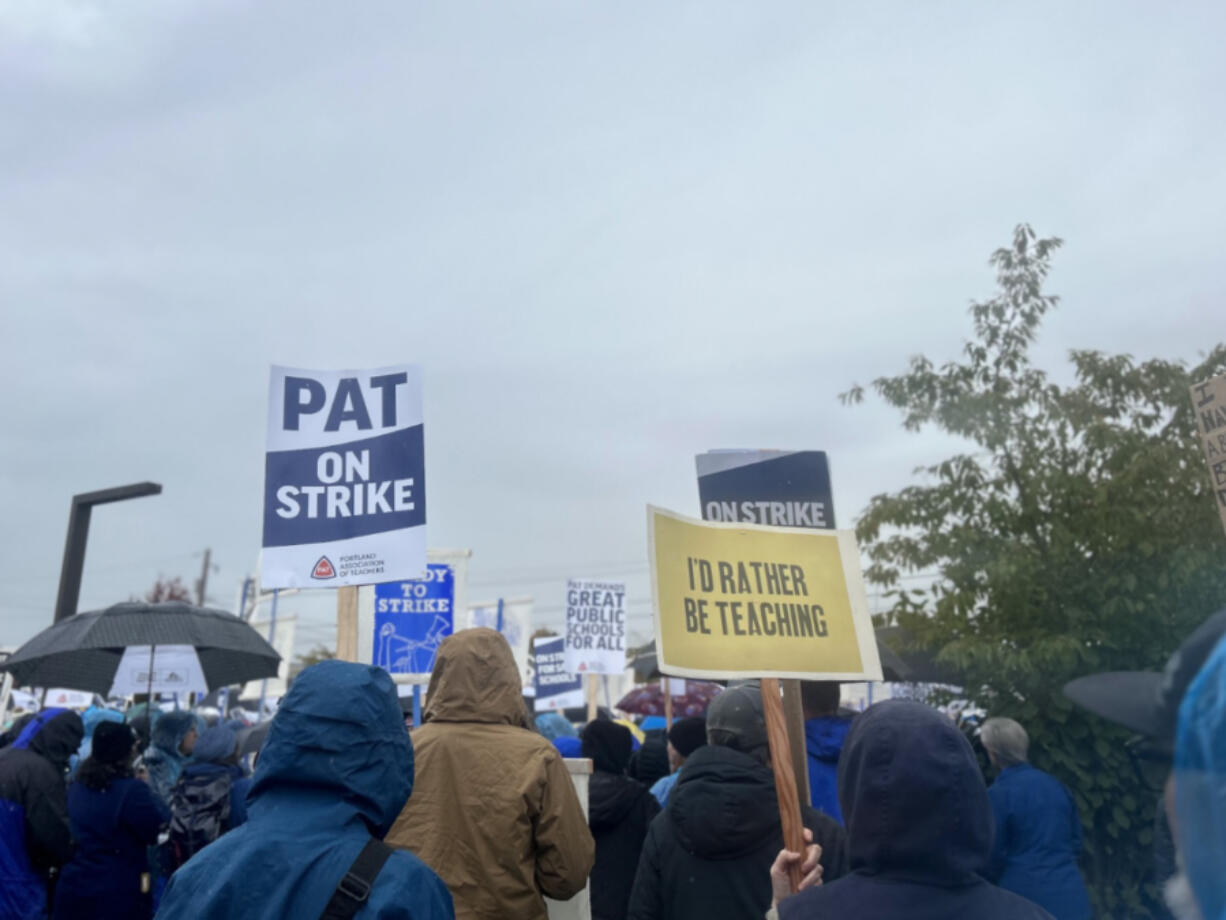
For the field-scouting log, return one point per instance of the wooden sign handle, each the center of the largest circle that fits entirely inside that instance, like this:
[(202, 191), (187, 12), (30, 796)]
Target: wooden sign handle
[(668, 703), (785, 780), (591, 697), (347, 623)]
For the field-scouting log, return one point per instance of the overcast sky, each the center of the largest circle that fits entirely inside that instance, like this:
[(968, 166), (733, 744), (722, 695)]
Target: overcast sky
[(613, 234)]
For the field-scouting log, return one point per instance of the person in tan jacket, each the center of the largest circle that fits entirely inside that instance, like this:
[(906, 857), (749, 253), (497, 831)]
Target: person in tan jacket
[(493, 811)]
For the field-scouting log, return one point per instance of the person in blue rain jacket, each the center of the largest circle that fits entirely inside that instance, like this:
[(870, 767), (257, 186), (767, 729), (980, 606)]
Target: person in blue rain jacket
[(115, 818), (171, 743), (35, 836), (1038, 830), (825, 732), (337, 769)]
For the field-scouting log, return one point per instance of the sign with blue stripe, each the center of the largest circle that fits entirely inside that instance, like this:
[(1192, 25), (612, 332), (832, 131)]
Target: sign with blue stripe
[(344, 478)]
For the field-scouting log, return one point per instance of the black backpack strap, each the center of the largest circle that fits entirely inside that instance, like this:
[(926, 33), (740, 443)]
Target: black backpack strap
[(354, 888)]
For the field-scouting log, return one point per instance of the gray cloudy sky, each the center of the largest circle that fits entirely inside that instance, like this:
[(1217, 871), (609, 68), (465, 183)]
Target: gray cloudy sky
[(614, 235)]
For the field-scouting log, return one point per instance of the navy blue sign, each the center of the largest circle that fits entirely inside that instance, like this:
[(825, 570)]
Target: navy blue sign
[(350, 490), (412, 618), (777, 488), (556, 688)]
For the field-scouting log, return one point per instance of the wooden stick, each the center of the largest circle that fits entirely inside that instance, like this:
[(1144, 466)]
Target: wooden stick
[(785, 780), (347, 623), (794, 716), (591, 697), (668, 703)]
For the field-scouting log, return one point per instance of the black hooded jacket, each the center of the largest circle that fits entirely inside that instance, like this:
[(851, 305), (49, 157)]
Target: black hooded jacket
[(34, 831), (919, 826), (620, 810), (708, 856)]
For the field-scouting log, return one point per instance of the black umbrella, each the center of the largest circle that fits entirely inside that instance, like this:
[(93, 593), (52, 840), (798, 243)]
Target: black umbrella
[(83, 652)]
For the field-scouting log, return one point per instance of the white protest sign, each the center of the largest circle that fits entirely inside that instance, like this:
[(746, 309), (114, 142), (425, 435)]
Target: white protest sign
[(344, 478), (595, 627), (175, 669)]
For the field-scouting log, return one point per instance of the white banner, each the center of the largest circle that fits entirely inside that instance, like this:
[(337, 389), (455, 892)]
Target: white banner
[(344, 478), (176, 669), (595, 627)]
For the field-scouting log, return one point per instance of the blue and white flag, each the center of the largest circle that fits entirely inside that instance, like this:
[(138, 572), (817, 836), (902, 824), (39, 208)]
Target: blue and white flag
[(344, 478)]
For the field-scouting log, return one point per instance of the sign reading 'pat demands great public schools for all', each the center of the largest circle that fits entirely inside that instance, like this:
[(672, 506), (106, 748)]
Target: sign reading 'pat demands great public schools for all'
[(740, 600), (1209, 405), (344, 478), (595, 627)]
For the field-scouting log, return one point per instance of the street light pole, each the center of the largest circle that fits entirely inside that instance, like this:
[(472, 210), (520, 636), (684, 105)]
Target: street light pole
[(78, 534)]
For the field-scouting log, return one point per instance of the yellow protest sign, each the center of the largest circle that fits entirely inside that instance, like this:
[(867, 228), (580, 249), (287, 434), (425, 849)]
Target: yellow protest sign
[(739, 600)]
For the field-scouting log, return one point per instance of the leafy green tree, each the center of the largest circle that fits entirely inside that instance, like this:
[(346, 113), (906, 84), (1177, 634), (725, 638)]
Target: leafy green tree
[(1075, 533)]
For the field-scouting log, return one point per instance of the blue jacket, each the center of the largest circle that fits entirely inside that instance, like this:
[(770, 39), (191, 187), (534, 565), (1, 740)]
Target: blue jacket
[(1038, 837), (824, 741), (337, 767), (663, 787), (34, 831), (919, 826), (112, 829), (1200, 784)]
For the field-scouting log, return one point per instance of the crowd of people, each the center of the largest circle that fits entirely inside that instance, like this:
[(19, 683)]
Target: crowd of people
[(474, 814)]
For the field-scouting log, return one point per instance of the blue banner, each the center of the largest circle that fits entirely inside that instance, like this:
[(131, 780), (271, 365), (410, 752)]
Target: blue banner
[(412, 618)]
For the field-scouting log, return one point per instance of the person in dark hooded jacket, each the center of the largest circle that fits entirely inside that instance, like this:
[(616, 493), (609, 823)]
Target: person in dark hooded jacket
[(210, 797), (336, 770), (35, 836), (115, 818), (708, 855), (620, 810), (919, 825)]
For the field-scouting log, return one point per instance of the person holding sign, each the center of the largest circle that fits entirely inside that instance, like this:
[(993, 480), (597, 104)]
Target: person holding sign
[(709, 854), (919, 826)]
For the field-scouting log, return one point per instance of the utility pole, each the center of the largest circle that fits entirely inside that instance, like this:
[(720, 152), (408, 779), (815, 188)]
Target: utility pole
[(203, 583)]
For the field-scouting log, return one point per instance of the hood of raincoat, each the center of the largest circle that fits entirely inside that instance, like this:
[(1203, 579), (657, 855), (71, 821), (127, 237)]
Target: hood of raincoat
[(912, 796), (824, 737), (1200, 784), (723, 804), (169, 729), (54, 734), (475, 679), (608, 745), (338, 734), (216, 745)]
